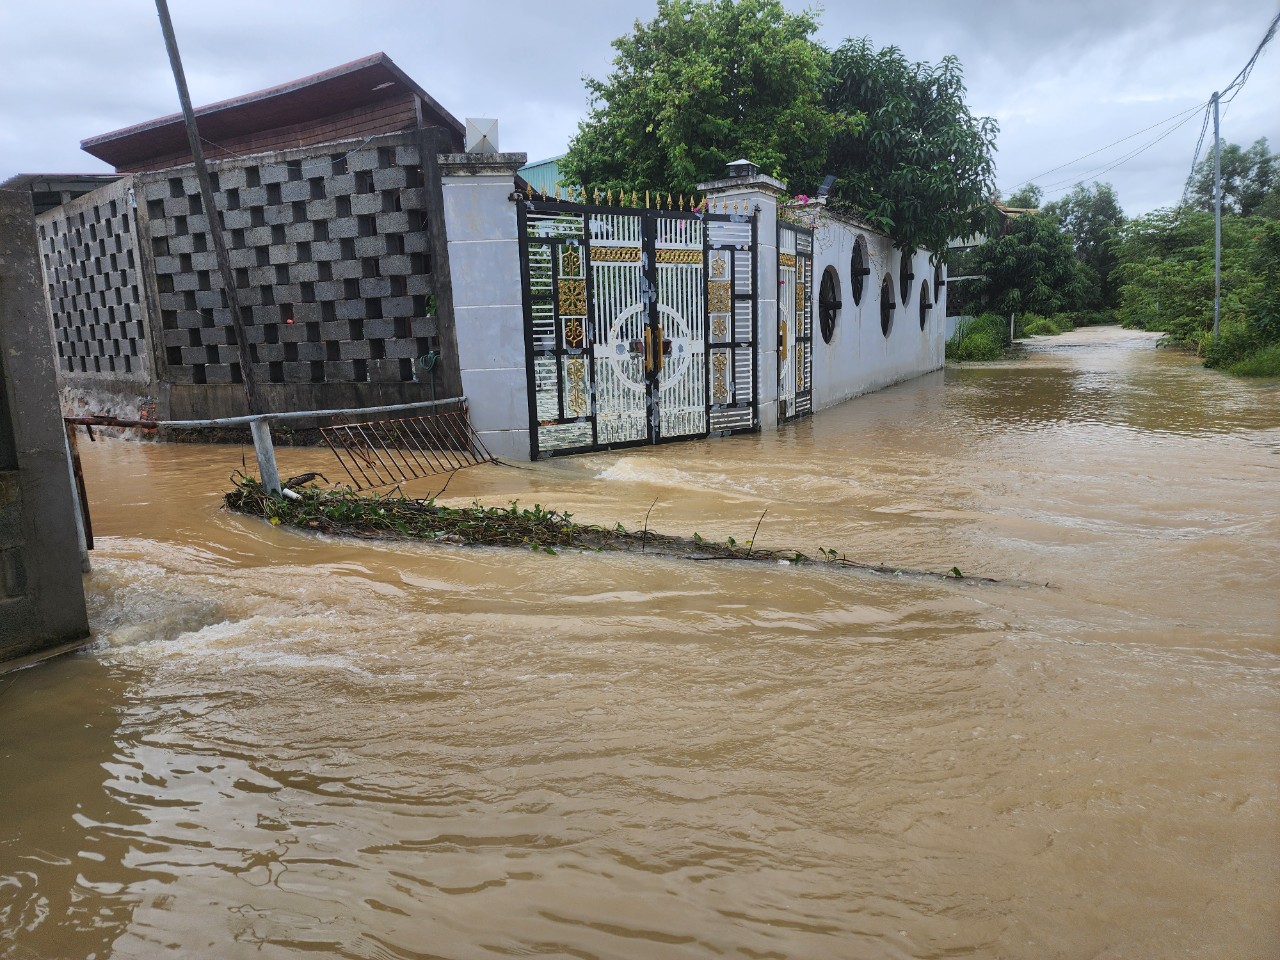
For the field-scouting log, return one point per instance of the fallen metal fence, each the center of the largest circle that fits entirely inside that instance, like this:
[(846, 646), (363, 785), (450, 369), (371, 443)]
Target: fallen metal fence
[(387, 445), (380, 452)]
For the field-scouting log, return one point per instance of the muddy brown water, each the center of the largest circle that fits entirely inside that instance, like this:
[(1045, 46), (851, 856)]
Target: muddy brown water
[(284, 744)]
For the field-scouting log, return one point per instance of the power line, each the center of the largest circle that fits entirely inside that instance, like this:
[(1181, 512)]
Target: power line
[(1099, 171), (1195, 158), (1243, 75), (1159, 123), (1237, 84)]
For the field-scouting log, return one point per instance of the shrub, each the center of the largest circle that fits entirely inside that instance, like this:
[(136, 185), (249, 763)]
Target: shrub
[(1236, 341), (1264, 363), (1041, 327), (984, 338)]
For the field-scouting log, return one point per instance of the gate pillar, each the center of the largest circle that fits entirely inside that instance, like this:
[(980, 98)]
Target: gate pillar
[(754, 190), (484, 264)]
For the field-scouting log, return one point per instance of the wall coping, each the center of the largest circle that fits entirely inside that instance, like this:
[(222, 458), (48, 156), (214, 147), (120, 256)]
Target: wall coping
[(760, 181), (481, 164)]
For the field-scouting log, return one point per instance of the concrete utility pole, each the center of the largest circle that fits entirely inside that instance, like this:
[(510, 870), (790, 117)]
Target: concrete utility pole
[(1217, 219), (215, 224)]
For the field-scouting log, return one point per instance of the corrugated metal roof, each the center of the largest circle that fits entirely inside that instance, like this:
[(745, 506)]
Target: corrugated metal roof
[(543, 175)]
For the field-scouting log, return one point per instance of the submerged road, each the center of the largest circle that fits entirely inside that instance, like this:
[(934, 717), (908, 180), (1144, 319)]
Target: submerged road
[(285, 745)]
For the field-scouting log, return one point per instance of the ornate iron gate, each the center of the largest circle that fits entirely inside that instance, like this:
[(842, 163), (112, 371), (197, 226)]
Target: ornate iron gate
[(795, 321), (639, 324)]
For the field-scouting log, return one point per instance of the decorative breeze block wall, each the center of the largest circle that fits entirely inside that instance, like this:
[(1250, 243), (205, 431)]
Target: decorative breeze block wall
[(331, 260), (91, 273)]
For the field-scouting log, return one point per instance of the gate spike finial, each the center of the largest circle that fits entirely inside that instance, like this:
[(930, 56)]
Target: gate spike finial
[(669, 205), (583, 192), (682, 203), (557, 191), (595, 196), (609, 196), (646, 199), (635, 199)]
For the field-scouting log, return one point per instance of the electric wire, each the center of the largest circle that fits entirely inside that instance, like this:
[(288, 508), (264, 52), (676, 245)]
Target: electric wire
[(1242, 77), (1096, 172), (1159, 123)]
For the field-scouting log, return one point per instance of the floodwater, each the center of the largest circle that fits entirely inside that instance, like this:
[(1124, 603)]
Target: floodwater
[(285, 745)]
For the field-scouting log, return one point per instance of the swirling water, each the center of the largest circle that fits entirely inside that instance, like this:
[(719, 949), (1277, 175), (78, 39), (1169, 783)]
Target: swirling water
[(284, 744)]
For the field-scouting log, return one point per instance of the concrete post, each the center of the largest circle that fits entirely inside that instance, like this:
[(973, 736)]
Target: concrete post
[(757, 191), (42, 605), (484, 263), (265, 451)]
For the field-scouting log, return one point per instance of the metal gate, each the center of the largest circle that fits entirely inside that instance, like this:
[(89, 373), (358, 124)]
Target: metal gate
[(639, 324), (795, 321)]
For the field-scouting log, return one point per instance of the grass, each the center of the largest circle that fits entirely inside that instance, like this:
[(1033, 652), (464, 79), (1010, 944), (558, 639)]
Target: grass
[(1263, 363), (346, 513)]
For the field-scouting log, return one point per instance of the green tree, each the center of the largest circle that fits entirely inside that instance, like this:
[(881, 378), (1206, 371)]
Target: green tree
[(1028, 198), (705, 83), (920, 167), (1166, 273), (1250, 179), (1031, 268), (1092, 216)]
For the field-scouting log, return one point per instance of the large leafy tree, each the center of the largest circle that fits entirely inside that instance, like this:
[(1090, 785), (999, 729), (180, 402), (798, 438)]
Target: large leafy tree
[(1250, 178), (1030, 268), (1092, 216), (702, 84), (1166, 270), (920, 167)]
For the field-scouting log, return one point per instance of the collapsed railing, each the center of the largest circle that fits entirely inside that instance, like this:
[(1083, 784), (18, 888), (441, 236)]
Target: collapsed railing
[(389, 444)]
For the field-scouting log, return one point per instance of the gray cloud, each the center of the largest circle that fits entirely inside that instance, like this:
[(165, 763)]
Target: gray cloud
[(1063, 79)]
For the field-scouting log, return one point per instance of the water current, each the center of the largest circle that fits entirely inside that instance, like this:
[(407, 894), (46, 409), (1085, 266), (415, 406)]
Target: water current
[(285, 745)]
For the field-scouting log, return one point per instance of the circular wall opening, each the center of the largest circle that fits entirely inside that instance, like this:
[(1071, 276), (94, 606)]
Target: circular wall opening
[(828, 303), (859, 268), (906, 274), (887, 305)]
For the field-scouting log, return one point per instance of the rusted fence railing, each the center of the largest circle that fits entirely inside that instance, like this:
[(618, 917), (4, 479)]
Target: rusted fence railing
[(386, 445), (380, 452)]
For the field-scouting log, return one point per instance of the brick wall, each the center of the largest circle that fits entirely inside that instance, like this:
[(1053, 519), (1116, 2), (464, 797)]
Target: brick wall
[(89, 259), (330, 250)]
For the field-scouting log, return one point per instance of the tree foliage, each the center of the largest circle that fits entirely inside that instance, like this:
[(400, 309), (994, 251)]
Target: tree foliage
[(1166, 270), (705, 83), (1250, 180), (1028, 198), (1031, 268), (708, 81), (920, 166), (1092, 216)]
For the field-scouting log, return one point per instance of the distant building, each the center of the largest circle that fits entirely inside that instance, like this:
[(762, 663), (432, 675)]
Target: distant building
[(364, 98), (544, 175), (329, 203)]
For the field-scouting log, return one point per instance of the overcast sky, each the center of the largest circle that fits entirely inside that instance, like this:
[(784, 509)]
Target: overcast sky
[(1062, 79)]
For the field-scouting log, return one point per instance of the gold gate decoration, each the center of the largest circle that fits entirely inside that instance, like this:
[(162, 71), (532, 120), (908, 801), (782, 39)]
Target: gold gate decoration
[(640, 323)]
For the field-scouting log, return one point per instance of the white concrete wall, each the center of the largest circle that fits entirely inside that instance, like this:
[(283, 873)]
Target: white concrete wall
[(860, 358), (484, 261)]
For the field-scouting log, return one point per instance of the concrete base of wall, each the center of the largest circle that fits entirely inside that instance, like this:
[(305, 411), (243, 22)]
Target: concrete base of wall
[(41, 592), (21, 663)]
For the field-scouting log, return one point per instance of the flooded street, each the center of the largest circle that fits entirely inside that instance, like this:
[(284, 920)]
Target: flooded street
[(285, 744)]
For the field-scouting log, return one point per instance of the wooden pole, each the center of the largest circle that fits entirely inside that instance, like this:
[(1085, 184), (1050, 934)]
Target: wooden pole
[(215, 224)]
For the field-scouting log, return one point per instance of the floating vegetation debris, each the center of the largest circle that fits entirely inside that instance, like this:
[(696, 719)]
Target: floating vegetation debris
[(344, 512)]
